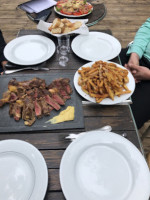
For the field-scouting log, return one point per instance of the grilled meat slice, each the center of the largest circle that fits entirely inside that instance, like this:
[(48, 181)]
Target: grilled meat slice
[(21, 91), (5, 99), (38, 109), (15, 110), (29, 122), (65, 83), (35, 82), (52, 102), (58, 99), (13, 97), (38, 83), (46, 109), (13, 82), (28, 113), (62, 87)]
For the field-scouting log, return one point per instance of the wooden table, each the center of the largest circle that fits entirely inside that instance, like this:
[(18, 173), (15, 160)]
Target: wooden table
[(52, 144)]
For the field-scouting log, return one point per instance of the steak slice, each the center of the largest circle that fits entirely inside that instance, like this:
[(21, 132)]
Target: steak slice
[(46, 109), (58, 99), (28, 113), (13, 97), (15, 111), (38, 109), (5, 99), (52, 102)]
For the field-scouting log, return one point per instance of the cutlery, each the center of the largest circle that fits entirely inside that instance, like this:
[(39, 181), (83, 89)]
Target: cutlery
[(124, 135), (27, 68), (73, 136)]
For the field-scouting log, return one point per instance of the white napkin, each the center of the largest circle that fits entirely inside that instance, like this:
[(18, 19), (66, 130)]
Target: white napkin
[(83, 30), (37, 5)]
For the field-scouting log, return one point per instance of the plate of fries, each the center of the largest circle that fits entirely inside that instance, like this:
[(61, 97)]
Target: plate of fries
[(104, 82)]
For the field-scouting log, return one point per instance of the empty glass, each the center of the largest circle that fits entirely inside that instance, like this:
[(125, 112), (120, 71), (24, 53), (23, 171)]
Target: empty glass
[(63, 48)]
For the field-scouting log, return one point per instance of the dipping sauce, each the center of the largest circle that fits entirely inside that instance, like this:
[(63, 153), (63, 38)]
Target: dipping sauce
[(65, 115)]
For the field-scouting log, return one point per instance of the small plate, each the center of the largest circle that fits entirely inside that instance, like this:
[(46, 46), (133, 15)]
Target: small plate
[(96, 46), (23, 171), (29, 50), (72, 16), (104, 165), (106, 101)]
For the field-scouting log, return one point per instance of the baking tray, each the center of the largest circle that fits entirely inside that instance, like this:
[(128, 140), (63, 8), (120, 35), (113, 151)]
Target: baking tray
[(8, 124)]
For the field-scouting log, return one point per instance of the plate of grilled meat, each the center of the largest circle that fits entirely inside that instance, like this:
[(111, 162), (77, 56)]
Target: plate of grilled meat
[(29, 102)]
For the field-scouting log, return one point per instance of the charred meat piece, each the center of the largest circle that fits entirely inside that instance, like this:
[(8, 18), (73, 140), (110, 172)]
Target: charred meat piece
[(38, 92), (5, 99), (15, 110), (13, 97), (37, 82), (28, 113), (21, 91), (52, 102), (46, 109), (62, 87), (65, 83), (38, 109), (13, 82), (58, 99), (30, 93)]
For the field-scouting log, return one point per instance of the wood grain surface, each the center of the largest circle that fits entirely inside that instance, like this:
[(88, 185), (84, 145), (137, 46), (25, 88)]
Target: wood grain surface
[(123, 18)]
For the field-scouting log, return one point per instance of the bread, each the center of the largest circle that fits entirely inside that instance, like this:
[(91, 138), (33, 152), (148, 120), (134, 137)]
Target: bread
[(56, 23), (67, 30), (60, 26), (56, 30)]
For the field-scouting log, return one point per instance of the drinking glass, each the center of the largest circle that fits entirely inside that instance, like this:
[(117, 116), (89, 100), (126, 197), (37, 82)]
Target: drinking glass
[(63, 48)]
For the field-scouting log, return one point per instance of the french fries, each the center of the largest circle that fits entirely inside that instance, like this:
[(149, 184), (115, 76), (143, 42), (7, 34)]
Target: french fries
[(103, 80), (60, 26)]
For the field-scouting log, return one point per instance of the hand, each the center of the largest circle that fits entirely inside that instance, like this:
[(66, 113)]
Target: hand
[(4, 63), (140, 72), (133, 60)]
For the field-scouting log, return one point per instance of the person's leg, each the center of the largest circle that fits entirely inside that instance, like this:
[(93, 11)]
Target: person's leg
[(141, 95), (141, 103), (141, 99)]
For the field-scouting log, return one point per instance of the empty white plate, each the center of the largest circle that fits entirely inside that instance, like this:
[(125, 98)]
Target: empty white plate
[(29, 50), (23, 171), (96, 46), (103, 165)]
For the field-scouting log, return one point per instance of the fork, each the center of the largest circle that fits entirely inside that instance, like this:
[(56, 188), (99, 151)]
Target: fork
[(73, 136), (26, 68)]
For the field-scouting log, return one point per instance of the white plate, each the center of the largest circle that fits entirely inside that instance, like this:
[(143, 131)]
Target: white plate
[(96, 46), (72, 16), (106, 101), (29, 50), (104, 165), (23, 171)]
